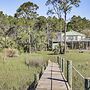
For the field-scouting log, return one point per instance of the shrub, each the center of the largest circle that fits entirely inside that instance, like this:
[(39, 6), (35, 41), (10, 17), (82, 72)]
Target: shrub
[(59, 50), (62, 50), (56, 50), (11, 52), (36, 61)]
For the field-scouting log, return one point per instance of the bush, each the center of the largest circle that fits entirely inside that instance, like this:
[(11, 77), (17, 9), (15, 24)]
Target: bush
[(59, 50), (62, 50), (36, 61), (11, 52), (56, 50)]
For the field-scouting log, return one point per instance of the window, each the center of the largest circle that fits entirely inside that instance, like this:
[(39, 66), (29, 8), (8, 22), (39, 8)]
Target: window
[(70, 37)]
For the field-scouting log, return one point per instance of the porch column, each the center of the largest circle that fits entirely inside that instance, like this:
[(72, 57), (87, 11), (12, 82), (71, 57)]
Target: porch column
[(72, 44), (79, 44)]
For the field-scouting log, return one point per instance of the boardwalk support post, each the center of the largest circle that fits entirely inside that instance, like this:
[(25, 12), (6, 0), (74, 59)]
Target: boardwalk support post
[(87, 84), (36, 79), (45, 66), (62, 64), (69, 73), (58, 59), (46, 63), (42, 69)]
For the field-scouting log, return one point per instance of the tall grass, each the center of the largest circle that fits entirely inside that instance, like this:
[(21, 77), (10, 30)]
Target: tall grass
[(81, 61), (15, 74)]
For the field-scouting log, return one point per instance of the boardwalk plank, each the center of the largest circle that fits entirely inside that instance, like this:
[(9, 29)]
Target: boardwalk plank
[(52, 79)]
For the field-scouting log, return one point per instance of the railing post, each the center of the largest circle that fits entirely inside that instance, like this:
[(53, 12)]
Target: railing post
[(45, 66), (87, 84), (42, 69), (36, 79), (69, 73), (62, 64), (58, 59)]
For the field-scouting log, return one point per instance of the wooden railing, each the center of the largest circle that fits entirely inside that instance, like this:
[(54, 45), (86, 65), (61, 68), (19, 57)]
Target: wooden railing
[(75, 79), (79, 81), (37, 77)]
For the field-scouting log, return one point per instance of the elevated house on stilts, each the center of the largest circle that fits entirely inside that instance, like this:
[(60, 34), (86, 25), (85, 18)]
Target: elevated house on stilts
[(74, 40)]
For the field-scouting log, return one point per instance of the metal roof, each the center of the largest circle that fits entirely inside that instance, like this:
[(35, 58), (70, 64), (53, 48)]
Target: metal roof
[(74, 33), (60, 36)]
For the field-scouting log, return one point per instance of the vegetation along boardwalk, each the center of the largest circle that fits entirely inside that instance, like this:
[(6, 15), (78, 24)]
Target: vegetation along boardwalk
[(52, 79)]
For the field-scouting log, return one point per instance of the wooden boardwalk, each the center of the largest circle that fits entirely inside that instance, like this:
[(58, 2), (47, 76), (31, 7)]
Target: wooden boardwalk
[(52, 79)]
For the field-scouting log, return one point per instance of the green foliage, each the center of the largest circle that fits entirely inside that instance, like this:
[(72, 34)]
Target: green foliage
[(15, 74), (81, 61), (29, 33), (27, 10), (35, 62), (41, 23), (56, 50), (79, 24), (55, 24), (11, 52), (60, 7)]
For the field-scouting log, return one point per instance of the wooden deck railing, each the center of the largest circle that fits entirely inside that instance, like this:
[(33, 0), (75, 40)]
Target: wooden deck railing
[(37, 77), (79, 81), (75, 79)]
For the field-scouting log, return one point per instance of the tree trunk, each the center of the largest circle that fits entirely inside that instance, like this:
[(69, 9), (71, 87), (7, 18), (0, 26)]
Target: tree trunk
[(5, 42), (47, 38), (65, 28), (30, 48), (60, 26), (60, 43)]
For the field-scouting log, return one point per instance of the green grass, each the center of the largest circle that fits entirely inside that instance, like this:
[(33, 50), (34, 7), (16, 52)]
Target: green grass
[(15, 74), (81, 61)]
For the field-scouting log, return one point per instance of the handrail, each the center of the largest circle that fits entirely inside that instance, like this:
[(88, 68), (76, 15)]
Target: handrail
[(78, 72), (69, 71)]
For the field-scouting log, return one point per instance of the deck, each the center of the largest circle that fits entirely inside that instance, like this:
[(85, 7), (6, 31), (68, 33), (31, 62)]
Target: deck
[(52, 79)]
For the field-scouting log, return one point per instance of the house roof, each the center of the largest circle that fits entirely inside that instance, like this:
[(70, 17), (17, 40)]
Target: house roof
[(74, 33), (59, 35)]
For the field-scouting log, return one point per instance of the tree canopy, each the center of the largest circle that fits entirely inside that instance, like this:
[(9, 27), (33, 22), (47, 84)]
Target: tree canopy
[(27, 10), (27, 30)]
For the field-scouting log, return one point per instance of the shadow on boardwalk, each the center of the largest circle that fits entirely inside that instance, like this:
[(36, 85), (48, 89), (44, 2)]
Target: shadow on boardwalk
[(57, 79), (52, 79), (32, 86)]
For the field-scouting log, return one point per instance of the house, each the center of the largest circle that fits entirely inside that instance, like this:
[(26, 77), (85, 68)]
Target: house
[(74, 40), (75, 36)]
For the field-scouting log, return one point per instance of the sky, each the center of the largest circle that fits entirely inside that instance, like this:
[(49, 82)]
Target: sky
[(9, 7)]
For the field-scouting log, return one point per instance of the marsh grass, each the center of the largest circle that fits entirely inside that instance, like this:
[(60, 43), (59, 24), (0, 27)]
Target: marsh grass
[(15, 74), (81, 61)]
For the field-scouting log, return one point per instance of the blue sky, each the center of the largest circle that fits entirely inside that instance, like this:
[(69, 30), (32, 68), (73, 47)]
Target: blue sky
[(9, 7)]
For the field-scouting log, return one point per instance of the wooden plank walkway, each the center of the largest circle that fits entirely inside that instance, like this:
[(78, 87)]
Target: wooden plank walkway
[(52, 79)]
